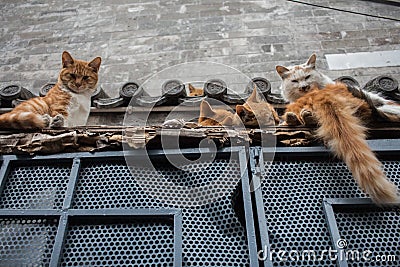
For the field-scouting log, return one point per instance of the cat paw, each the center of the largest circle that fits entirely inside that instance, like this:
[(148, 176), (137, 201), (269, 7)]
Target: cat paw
[(57, 121), (46, 119), (308, 117), (291, 119)]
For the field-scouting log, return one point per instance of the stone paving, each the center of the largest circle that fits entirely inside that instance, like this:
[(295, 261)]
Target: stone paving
[(137, 39)]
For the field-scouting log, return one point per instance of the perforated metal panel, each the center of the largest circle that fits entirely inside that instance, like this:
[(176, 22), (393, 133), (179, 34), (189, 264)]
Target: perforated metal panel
[(291, 213), (212, 234), (119, 244), (378, 234), (362, 233), (113, 184), (27, 241), (40, 186), (102, 214)]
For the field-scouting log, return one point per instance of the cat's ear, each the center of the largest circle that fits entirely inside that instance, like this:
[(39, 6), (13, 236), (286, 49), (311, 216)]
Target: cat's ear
[(228, 121), (67, 59), (239, 109), (254, 97), (191, 88), (205, 110), (95, 64), (282, 71), (311, 61), (243, 109)]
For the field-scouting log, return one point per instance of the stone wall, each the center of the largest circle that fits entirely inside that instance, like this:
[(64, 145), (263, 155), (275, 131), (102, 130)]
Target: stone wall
[(137, 39)]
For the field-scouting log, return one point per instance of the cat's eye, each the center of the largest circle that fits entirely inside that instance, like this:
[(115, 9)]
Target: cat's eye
[(85, 77), (295, 81), (308, 77), (73, 76)]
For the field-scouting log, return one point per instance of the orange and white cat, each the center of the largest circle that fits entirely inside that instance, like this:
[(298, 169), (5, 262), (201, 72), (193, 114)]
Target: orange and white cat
[(193, 91), (255, 112), (341, 119), (299, 79), (66, 104)]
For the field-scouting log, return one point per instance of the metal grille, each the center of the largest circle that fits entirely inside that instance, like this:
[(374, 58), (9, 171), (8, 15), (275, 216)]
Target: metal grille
[(292, 195), (115, 185), (26, 241), (379, 233), (119, 244), (35, 187), (102, 213), (212, 234)]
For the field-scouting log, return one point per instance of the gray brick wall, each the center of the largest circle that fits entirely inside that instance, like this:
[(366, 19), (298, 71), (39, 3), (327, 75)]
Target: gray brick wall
[(136, 39)]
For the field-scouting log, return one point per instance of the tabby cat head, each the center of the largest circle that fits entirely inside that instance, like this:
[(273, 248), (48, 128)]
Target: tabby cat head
[(195, 91), (79, 76), (300, 79), (256, 112), (216, 117), (245, 111)]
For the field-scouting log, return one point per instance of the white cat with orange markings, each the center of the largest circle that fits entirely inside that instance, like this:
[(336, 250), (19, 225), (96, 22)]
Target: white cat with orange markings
[(341, 118)]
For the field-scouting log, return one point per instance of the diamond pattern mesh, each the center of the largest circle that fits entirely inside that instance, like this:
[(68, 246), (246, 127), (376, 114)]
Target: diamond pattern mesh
[(292, 195)]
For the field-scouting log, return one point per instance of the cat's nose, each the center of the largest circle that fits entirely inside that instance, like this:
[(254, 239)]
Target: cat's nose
[(305, 88)]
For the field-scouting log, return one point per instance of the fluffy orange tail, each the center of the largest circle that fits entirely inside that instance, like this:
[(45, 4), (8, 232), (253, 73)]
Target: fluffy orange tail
[(345, 135)]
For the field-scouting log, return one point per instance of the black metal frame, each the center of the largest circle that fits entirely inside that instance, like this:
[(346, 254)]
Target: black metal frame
[(346, 204), (384, 146), (257, 170), (256, 226), (172, 216)]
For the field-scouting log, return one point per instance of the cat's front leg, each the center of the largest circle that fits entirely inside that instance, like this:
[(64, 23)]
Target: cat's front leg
[(304, 117), (292, 114), (291, 118), (299, 113), (307, 117), (57, 121)]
